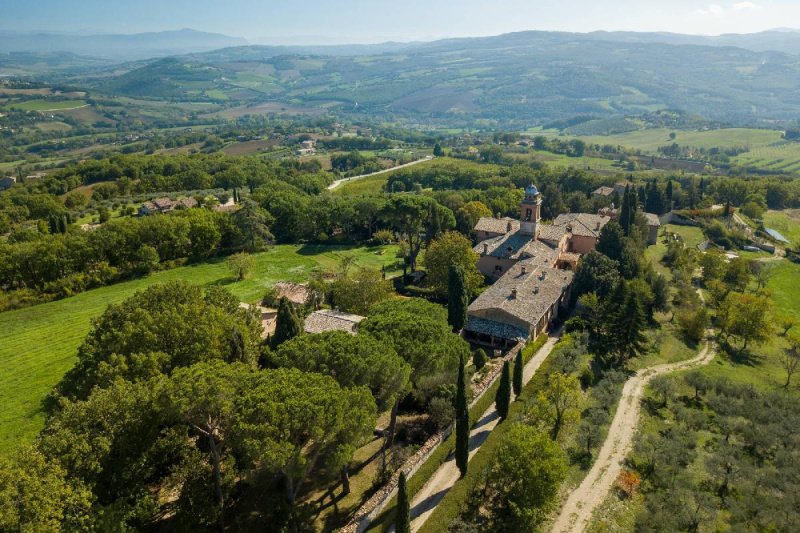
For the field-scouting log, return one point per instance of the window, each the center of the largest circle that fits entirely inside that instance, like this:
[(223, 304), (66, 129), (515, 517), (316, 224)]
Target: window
[(528, 214)]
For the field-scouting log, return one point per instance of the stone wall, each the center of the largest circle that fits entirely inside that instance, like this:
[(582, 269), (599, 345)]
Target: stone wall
[(377, 503)]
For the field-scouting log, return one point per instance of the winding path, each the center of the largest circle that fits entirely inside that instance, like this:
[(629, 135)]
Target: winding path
[(577, 512), (342, 181)]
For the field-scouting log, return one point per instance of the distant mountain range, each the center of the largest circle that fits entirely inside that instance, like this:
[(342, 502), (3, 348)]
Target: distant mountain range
[(118, 47), (779, 40), (513, 81)]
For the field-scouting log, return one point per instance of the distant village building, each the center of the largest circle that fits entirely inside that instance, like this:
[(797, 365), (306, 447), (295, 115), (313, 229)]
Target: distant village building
[(603, 191), (307, 148), (7, 182), (34, 177), (331, 320), (165, 205)]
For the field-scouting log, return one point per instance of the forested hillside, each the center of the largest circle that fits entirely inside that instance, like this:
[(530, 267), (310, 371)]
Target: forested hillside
[(522, 79)]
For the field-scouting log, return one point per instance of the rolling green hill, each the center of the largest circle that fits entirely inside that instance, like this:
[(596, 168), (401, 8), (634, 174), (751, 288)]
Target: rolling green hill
[(517, 79)]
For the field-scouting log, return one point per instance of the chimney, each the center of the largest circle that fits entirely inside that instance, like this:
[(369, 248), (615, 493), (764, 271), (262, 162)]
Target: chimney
[(524, 269), (543, 276), (536, 290), (513, 294), (485, 249), (597, 227), (508, 227)]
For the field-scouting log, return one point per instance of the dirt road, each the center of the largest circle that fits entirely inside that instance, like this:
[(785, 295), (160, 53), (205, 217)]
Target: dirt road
[(337, 183), (429, 496), (577, 512)]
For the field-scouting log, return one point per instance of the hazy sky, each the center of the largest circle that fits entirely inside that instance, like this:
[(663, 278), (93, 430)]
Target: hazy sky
[(382, 20)]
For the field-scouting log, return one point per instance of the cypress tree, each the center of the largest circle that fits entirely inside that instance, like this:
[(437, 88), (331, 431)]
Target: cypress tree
[(669, 193), (437, 150), (627, 325), (457, 298), (462, 421), (518, 368), (402, 523), (625, 215), (655, 200), (502, 399), (287, 323)]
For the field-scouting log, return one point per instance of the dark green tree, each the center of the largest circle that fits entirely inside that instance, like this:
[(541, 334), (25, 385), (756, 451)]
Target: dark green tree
[(287, 323), (437, 150), (479, 358), (457, 298), (654, 202), (627, 212), (596, 273), (252, 223), (502, 399), (627, 325), (462, 421), (402, 524), (668, 194), (518, 368), (612, 238)]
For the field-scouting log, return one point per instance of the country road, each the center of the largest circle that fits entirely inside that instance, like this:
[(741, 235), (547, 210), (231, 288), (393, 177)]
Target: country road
[(337, 183), (429, 496), (577, 512)]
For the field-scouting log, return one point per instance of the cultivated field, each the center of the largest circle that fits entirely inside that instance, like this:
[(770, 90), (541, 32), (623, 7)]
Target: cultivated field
[(765, 148), (649, 140), (38, 344), (48, 105)]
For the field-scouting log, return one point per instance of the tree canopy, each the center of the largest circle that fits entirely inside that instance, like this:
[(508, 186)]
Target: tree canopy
[(159, 329), (353, 360)]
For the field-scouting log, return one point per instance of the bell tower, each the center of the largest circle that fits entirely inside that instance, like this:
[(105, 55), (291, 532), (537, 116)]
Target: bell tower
[(530, 211)]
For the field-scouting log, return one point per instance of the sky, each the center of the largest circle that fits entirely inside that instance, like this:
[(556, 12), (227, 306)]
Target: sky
[(367, 21)]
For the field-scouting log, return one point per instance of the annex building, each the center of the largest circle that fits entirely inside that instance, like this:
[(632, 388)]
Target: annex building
[(532, 265)]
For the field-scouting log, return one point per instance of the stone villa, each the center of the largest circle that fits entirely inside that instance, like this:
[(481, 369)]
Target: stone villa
[(532, 266)]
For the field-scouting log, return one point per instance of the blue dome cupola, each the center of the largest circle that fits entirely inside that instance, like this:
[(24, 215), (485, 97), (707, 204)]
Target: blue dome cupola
[(531, 192)]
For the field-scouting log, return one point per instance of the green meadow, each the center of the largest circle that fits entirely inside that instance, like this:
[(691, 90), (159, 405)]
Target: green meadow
[(48, 105), (650, 140), (38, 344)]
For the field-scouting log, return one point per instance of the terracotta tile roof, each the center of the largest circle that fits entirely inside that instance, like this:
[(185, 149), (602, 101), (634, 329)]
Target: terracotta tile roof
[(497, 225), (526, 292), (603, 191), (582, 224), (330, 320), (551, 233), (518, 246)]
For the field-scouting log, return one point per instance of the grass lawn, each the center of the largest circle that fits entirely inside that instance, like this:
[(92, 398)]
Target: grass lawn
[(787, 222), (650, 140), (48, 105), (371, 186), (668, 345), (38, 344)]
